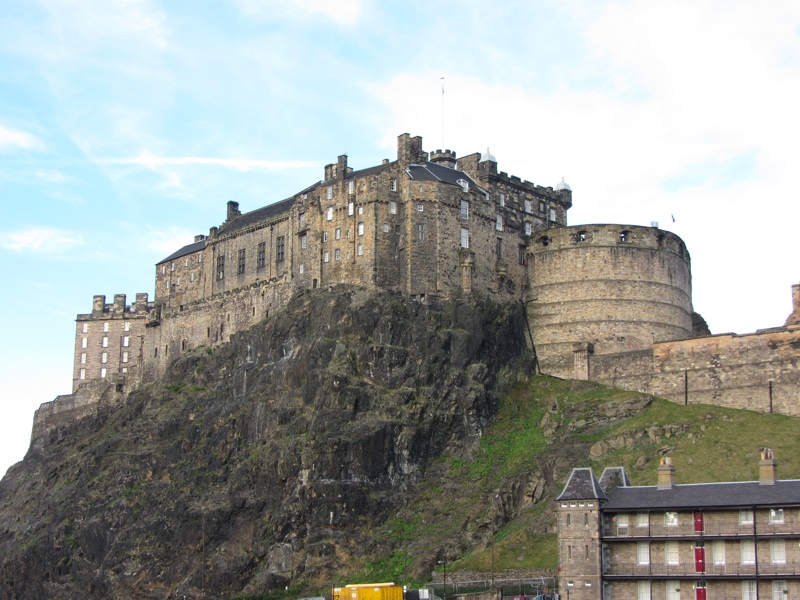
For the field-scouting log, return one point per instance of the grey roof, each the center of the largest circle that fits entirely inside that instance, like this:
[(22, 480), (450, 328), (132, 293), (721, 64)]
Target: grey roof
[(429, 171), (614, 477), (582, 485), (194, 247), (704, 495), (254, 216)]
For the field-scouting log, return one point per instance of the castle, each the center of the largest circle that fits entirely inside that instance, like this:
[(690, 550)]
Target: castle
[(611, 303)]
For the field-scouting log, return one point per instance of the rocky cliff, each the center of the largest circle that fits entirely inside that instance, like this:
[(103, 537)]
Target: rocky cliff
[(271, 460)]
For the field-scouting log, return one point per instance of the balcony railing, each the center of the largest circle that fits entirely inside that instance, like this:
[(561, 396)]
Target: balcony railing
[(790, 568), (709, 530)]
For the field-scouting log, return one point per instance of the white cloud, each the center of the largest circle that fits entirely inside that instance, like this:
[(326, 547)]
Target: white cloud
[(13, 139), (343, 12), (153, 161), (43, 240)]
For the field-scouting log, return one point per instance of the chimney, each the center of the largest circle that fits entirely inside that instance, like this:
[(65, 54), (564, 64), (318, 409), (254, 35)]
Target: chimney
[(666, 474), (119, 303), (767, 468), (199, 238), (98, 305), (233, 209)]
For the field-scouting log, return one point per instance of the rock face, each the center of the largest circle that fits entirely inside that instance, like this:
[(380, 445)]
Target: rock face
[(262, 462)]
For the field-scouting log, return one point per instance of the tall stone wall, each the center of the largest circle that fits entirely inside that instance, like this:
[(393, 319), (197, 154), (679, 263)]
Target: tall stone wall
[(619, 288)]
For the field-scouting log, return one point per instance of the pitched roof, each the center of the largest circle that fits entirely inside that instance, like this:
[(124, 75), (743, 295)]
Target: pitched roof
[(704, 495), (582, 485), (254, 216), (194, 247), (430, 171), (613, 477)]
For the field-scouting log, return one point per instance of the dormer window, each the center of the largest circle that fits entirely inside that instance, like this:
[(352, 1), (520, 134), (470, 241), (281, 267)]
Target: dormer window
[(464, 184)]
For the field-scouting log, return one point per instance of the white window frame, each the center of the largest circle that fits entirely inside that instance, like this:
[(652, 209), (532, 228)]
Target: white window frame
[(718, 552), (642, 553), (672, 553), (528, 228), (324, 236), (745, 516), (528, 206), (643, 591), (103, 372), (777, 552), (83, 358), (82, 374), (748, 589), (642, 519), (776, 516), (337, 235), (301, 269), (126, 341), (464, 237), (464, 209), (326, 256), (502, 199), (747, 552), (124, 357), (420, 207), (85, 328), (329, 192), (552, 214), (670, 519), (360, 227), (779, 589), (392, 207), (329, 214), (84, 342), (385, 228), (105, 327), (673, 590), (498, 222), (360, 210), (393, 185), (104, 343), (337, 254), (304, 241), (360, 250), (350, 209), (351, 187), (104, 357)]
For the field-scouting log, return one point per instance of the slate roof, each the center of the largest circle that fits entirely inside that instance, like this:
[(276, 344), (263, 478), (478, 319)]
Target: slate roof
[(704, 495), (194, 247), (254, 216), (613, 477), (429, 171), (582, 485)]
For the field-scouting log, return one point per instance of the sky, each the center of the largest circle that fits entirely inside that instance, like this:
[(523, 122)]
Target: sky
[(127, 125)]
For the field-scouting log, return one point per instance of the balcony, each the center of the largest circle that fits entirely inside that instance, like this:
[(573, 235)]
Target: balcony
[(688, 569), (710, 529)]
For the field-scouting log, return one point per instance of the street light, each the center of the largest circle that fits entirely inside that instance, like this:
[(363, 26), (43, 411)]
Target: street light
[(494, 515), (444, 585)]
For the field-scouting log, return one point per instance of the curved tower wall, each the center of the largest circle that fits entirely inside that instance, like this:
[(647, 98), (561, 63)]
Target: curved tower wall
[(619, 288)]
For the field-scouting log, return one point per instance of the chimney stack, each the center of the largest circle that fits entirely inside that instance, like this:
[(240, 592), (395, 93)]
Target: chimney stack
[(666, 473), (767, 468)]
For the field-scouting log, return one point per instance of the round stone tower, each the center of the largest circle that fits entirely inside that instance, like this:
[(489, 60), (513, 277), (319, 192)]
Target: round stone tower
[(606, 289)]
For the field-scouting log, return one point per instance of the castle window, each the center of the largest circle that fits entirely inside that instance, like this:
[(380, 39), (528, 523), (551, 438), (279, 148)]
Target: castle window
[(385, 228), (498, 223), (528, 228), (351, 187), (324, 236), (747, 552), (464, 237), (420, 207), (502, 199), (221, 266), (85, 328), (329, 192), (623, 236), (280, 247), (261, 255), (420, 232), (124, 369), (104, 357), (499, 248), (337, 254), (552, 214), (777, 552), (392, 207), (126, 326), (191, 277), (337, 235), (186, 262), (360, 250), (776, 515), (126, 341), (326, 256), (105, 327), (745, 516), (581, 236), (124, 357), (304, 241), (541, 207), (528, 206), (171, 266), (240, 263), (361, 210), (302, 269), (329, 214), (83, 358), (361, 228), (199, 258), (521, 257), (103, 372), (350, 207), (465, 209), (464, 184), (586, 555), (105, 342), (302, 219), (393, 184), (82, 374), (163, 269), (83, 342), (155, 352)]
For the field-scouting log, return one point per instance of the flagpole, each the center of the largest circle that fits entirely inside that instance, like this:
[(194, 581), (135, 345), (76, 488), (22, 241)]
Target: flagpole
[(443, 146)]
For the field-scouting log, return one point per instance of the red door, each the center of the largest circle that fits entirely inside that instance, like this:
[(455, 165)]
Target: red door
[(699, 557), (700, 590), (698, 521)]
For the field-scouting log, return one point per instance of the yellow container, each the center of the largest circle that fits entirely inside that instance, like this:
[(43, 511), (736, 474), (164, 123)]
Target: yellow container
[(368, 591)]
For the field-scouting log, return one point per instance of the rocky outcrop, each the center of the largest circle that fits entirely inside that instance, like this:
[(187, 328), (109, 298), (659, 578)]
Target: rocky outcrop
[(266, 461)]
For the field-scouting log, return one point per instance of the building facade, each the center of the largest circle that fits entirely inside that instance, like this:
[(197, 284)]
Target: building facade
[(709, 541)]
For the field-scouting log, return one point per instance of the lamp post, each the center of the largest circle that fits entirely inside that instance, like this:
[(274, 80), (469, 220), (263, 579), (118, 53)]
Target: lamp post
[(494, 515), (444, 584)]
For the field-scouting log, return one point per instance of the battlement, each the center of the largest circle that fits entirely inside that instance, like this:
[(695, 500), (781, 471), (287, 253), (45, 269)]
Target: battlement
[(117, 309), (614, 236)]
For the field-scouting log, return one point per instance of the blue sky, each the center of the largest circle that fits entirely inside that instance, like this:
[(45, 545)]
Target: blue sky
[(126, 126)]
